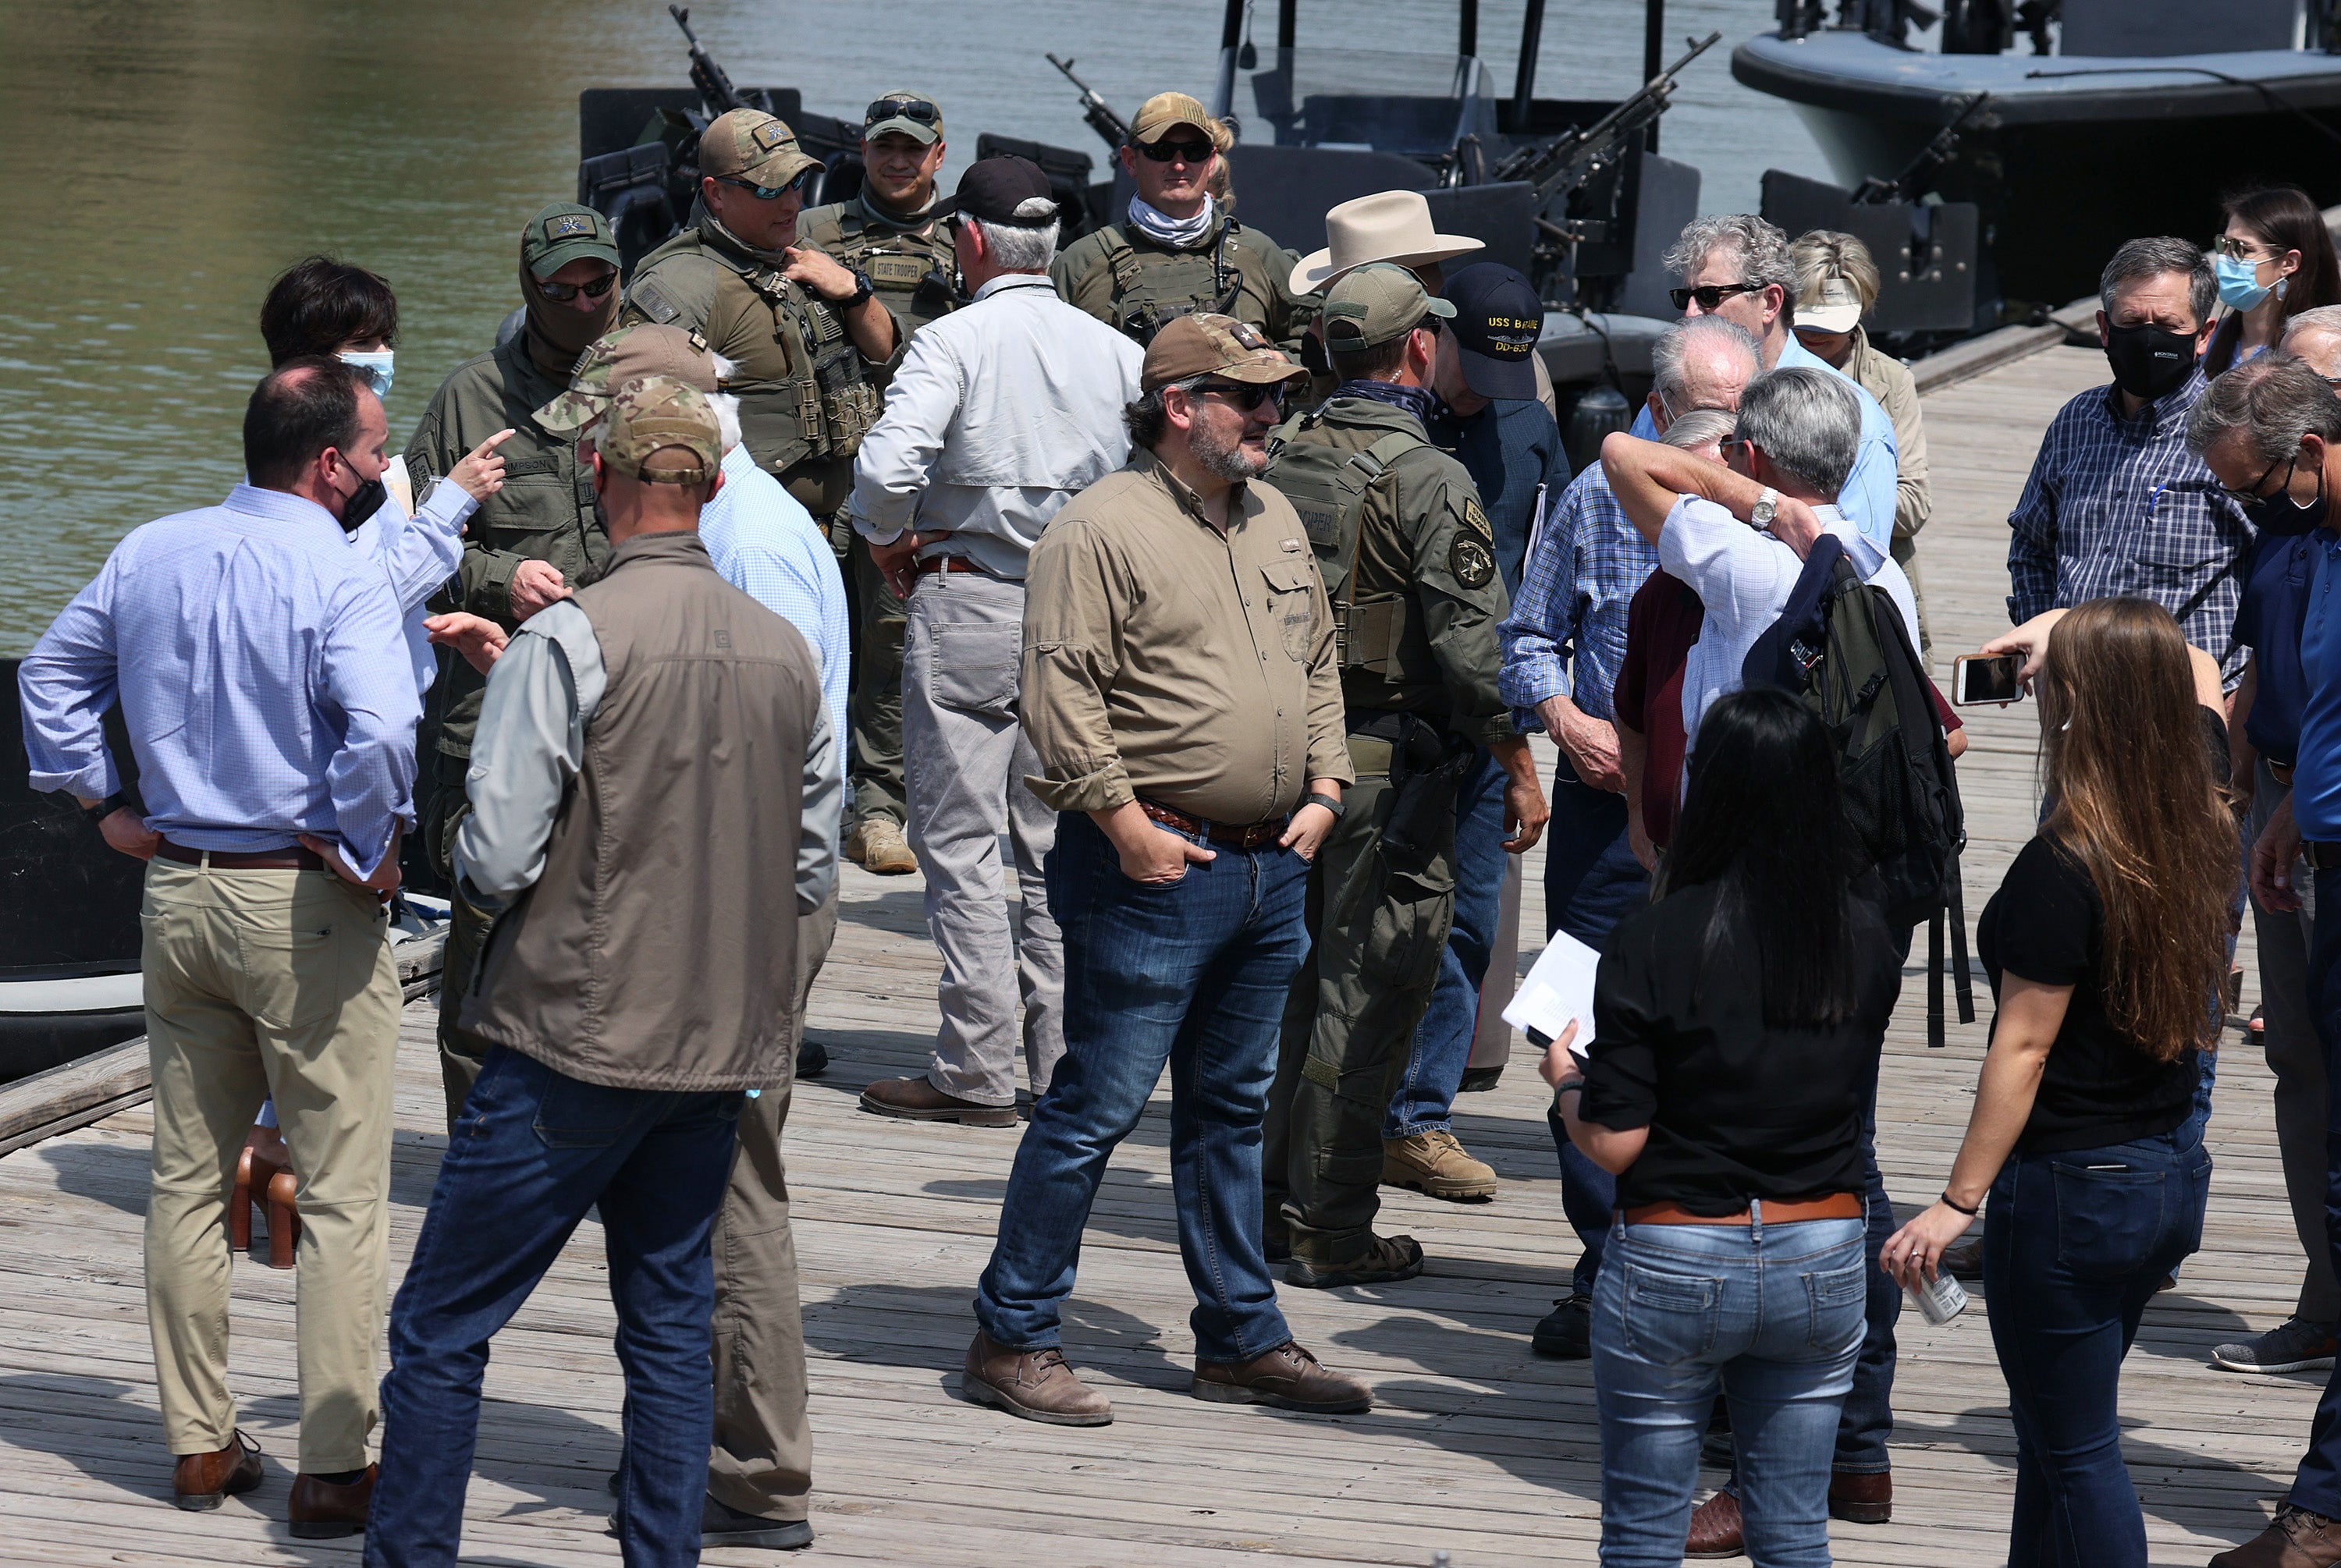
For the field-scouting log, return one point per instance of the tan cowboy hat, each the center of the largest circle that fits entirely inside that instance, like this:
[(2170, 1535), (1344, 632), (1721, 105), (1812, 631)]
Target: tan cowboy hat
[(1389, 226)]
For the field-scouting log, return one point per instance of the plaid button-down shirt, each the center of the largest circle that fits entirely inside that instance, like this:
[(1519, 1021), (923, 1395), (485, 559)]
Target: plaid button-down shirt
[(2119, 507), (1567, 631)]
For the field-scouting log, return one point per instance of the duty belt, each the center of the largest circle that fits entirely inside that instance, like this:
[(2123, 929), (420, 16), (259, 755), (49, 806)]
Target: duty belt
[(1246, 836)]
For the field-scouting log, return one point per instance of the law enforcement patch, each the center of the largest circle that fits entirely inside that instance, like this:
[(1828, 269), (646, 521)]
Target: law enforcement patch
[(770, 134), (1471, 563), (645, 297), (569, 223), (1477, 521)]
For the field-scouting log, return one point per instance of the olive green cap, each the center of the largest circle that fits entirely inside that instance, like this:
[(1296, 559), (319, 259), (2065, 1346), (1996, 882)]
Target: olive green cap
[(886, 114), (628, 353), (1377, 302), (655, 414), (565, 232), (1207, 344), (751, 146)]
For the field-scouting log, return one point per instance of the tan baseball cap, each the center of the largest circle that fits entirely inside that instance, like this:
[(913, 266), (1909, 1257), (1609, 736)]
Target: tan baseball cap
[(1834, 307), (1163, 111), (628, 353), (914, 114), (652, 415), (749, 145), (1210, 345), (1376, 302)]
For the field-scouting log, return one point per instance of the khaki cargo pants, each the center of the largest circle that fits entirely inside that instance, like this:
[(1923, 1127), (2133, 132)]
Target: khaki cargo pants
[(762, 1462), (1378, 912), (461, 1052), (260, 984)]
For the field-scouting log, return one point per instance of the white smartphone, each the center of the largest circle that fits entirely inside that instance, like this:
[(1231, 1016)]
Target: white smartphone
[(1977, 678)]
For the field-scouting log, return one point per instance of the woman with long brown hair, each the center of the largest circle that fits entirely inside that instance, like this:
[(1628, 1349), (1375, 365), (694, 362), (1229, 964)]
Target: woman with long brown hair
[(2106, 949), (2275, 259)]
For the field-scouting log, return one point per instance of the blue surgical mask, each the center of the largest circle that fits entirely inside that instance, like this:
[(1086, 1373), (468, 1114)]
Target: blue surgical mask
[(2239, 285), (377, 365)]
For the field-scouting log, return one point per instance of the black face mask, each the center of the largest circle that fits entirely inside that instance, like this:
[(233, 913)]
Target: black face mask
[(361, 503), (2285, 518), (2147, 362)]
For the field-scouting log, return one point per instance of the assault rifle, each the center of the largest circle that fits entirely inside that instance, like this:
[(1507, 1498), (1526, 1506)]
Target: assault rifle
[(1914, 181), (716, 93), (1095, 110), (1574, 157)]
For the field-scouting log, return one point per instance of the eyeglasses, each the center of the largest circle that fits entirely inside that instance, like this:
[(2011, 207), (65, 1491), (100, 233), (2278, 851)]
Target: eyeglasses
[(564, 293), (2255, 495), (1169, 152), (2235, 249), (1248, 395), (918, 109), (1711, 296), (766, 193)]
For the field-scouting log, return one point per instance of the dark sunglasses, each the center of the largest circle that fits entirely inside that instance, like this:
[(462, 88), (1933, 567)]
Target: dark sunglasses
[(1169, 152), (765, 193), (1248, 395), (1712, 296), (564, 293), (918, 109)]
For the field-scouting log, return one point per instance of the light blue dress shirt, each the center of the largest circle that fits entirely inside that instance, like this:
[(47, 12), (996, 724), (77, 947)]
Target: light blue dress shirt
[(1868, 499), (262, 673), (417, 554), (765, 544)]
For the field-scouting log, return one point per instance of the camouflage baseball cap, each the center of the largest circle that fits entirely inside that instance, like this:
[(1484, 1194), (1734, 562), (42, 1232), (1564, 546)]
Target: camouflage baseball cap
[(914, 114), (1164, 111), (627, 354), (1208, 344), (652, 415), (1380, 301), (750, 145), (565, 232)]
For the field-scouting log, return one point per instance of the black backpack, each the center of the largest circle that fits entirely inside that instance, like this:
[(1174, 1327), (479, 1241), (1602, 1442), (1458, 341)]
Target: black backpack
[(1841, 646)]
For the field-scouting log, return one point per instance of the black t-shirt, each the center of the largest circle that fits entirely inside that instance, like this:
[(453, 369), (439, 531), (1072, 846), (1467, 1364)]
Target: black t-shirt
[(1737, 1108), (2046, 924)]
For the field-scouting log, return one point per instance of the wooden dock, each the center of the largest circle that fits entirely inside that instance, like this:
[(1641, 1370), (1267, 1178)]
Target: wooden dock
[(1477, 1447)]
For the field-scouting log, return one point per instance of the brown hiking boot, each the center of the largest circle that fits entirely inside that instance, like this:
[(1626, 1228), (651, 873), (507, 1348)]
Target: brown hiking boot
[(1287, 1377), (1381, 1260), (1036, 1384), (1435, 1164), (2298, 1539), (200, 1481), (1715, 1529), (914, 1099), (322, 1510), (878, 844), (1861, 1497)]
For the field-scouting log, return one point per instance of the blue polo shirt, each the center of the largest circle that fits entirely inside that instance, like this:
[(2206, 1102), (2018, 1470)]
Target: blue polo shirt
[(2316, 779), (2267, 621)]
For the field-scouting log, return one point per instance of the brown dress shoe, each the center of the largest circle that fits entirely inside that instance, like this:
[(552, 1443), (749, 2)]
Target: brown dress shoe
[(2298, 1539), (1036, 1384), (913, 1100), (1861, 1497), (1383, 1260), (200, 1481), (1715, 1529), (1287, 1377), (321, 1509)]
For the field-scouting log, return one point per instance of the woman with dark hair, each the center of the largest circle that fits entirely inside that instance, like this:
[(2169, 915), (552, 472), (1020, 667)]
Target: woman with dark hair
[(2274, 260), (322, 306), (2106, 949), (1736, 1025)]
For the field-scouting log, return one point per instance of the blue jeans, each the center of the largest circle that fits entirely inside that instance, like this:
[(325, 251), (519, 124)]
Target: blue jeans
[(1194, 974), (1773, 1316), (2316, 1485), (2075, 1245), (1425, 1100), (533, 1151)]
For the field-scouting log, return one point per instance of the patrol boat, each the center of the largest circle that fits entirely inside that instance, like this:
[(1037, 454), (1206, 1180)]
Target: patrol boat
[(2086, 121)]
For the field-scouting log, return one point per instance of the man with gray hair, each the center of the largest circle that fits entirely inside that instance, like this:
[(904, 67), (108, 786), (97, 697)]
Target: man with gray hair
[(999, 413), (2117, 505), (1564, 643), (1739, 267)]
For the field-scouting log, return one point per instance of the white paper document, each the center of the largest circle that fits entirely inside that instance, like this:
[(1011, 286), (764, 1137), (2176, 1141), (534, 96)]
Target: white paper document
[(1558, 988)]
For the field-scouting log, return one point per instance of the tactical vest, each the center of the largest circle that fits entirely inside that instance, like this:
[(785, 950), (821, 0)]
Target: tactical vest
[(1342, 481), (917, 276), (1152, 288)]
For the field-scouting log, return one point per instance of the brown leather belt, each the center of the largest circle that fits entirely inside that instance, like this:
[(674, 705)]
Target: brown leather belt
[(294, 860), (1835, 1205), (1248, 836), (934, 563)]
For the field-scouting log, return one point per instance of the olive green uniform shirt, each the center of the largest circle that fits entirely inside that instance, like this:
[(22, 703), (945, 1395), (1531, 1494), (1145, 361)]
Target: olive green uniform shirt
[(1423, 601), (1134, 283), (545, 511), (1162, 659)]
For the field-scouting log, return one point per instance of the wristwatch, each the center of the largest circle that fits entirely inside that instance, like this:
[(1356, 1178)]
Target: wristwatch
[(862, 288), (107, 807), (1329, 803), (1766, 506)]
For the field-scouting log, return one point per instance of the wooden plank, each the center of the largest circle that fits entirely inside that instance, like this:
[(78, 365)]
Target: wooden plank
[(62, 1097)]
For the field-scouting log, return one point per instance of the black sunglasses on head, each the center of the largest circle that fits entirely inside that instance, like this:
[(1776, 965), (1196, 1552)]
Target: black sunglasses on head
[(1169, 152), (765, 193), (564, 293), (1712, 296), (1247, 395), (918, 109)]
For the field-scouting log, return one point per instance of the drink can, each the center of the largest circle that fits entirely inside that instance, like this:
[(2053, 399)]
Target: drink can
[(1940, 1302)]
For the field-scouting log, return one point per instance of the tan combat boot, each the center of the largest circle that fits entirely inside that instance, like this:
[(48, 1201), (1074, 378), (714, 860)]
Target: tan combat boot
[(878, 844), (1434, 1163)]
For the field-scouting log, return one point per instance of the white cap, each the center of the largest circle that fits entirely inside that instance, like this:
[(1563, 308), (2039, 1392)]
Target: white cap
[(1834, 308)]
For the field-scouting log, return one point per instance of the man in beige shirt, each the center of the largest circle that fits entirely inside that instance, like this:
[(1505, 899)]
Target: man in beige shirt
[(1181, 689)]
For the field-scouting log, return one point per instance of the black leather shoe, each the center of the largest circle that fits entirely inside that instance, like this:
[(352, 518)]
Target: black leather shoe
[(722, 1525), (813, 1058), (1566, 1333)]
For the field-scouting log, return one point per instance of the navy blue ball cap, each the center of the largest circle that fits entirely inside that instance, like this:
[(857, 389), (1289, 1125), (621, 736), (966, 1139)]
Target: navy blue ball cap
[(1498, 319)]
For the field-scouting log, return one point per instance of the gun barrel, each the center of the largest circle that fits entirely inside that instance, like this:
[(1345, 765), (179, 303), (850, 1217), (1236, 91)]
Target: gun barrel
[(681, 14)]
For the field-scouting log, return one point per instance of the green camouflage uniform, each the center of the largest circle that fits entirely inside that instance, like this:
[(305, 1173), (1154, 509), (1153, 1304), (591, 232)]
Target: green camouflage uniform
[(1412, 576), (1134, 284)]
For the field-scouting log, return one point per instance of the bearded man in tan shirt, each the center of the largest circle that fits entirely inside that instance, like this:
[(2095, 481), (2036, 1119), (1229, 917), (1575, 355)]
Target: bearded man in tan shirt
[(1181, 689)]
